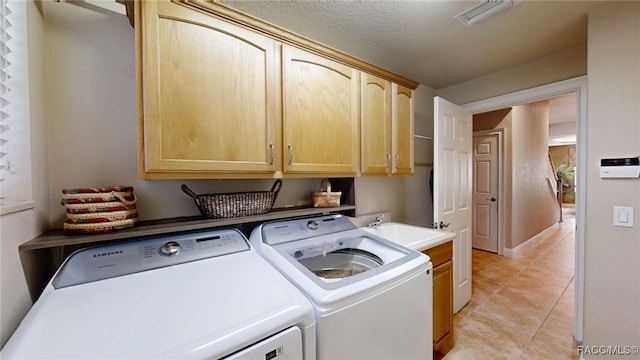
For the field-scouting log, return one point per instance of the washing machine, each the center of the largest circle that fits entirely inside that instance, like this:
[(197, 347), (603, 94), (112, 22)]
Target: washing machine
[(201, 295), (372, 298)]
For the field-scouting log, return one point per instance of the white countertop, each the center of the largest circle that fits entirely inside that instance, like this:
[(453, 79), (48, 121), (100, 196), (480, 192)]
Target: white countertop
[(414, 237)]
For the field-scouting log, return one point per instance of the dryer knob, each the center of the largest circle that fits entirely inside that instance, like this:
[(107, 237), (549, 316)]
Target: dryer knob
[(170, 248), (312, 224)]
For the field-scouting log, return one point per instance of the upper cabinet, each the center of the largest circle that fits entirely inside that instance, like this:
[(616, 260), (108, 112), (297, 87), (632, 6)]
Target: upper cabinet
[(376, 125), (387, 127), (222, 94), (209, 95), (402, 130), (321, 118)]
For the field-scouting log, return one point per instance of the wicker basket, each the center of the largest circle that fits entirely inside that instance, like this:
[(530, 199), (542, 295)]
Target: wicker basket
[(98, 210), (230, 205), (326, 198)]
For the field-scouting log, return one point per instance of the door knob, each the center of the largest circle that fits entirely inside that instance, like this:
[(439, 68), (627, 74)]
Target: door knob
[(492, 199)]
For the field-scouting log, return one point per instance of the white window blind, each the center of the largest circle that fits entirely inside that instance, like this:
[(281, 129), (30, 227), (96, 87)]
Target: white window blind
[(15, 119), (5, 76)]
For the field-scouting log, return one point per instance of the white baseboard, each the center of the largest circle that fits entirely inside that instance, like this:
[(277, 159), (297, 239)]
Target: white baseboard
[(539, 236)]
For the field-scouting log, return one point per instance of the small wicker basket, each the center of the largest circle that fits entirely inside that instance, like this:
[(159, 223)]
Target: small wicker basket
[(324, 197), (218, 206)]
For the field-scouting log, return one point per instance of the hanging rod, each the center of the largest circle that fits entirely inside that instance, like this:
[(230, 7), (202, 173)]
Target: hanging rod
[(423, 137)]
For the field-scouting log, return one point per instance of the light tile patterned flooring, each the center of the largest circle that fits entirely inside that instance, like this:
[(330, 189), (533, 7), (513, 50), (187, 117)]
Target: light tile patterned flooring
[(522, 306)]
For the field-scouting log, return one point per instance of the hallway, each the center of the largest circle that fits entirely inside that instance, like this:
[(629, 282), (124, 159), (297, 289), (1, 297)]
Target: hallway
[(522, 306)]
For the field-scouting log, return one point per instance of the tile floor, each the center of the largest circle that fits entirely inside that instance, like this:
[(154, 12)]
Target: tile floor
[(522, 306)]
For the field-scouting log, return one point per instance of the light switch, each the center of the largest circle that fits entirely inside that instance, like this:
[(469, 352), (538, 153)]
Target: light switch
[(623, 216)]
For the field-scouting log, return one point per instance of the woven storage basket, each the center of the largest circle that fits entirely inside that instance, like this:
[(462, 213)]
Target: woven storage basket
[(100, 227), (324, 197), (98, 210), (121, 194), (230, 205)]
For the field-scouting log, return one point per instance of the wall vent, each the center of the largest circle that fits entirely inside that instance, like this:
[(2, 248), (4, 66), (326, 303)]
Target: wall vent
[(483, 11)]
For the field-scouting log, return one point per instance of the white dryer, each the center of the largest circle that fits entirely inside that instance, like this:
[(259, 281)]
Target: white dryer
[(195, 295), (372, 297)]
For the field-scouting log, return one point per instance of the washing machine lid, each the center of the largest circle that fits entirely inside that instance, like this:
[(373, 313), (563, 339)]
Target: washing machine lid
[(205, 308), (340, 259), (299, 248)]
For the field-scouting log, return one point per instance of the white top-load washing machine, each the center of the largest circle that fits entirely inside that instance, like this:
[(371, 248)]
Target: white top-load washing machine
[(372, 297), (194, 295)]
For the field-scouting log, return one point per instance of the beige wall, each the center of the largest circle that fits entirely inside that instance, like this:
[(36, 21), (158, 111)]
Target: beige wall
[(534, 206), (612, 265), (19, 227), (563, 115), (562, 65)]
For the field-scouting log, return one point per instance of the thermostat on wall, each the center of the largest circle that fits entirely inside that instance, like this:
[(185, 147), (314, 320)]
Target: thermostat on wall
[(620, 168)]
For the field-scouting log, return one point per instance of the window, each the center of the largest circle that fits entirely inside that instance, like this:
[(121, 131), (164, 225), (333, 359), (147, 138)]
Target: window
[(15, 131)]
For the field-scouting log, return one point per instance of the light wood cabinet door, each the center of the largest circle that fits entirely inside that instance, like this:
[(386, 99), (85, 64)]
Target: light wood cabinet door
[(209, 95), (375, 125), (387, 127), (442, 260), (320, 119), (402, 130), (442, 302)]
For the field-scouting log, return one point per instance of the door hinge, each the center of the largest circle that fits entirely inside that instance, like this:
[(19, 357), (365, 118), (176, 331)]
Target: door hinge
[(440, 225)]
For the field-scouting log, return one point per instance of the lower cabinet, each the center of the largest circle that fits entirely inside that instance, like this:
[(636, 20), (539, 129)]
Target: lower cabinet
[(441, 258)]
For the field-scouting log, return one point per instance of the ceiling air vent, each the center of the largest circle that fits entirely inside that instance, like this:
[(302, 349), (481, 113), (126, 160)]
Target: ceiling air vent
[(483, 11)]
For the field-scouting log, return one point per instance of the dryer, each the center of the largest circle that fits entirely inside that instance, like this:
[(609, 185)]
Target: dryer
[(193, 295), (372, 298)]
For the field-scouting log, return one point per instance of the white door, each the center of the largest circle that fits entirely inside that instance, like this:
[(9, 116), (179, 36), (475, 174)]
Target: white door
[(452, 182), (485, 193)]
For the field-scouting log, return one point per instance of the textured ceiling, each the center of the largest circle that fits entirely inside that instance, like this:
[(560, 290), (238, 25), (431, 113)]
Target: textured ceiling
[(421, 39)]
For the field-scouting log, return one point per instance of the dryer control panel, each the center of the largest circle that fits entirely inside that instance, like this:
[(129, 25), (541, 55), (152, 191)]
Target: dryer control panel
[(107, 261)]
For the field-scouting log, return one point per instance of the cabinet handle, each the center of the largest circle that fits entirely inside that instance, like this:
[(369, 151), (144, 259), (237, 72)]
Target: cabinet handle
[(290, 147), (273, 153), (397, 160), (388, 160)]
